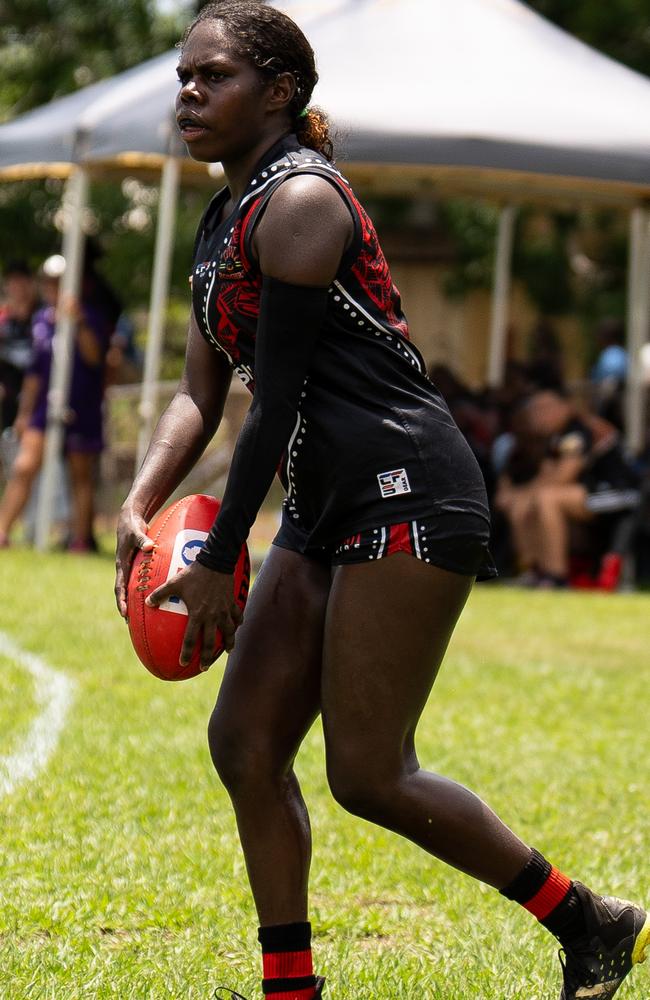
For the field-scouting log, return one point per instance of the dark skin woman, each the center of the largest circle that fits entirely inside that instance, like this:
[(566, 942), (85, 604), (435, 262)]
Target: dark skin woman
[(356, 637)]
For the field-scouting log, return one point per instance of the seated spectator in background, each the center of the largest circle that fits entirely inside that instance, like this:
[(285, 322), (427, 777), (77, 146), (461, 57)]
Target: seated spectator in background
[(83, 435), (475, 415), (16, 313), (506, 398), (610, 371), (581, 471), (545, 363)]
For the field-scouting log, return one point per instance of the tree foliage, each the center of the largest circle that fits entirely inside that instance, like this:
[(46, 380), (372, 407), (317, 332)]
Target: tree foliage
[(620, 28), (51, 47)]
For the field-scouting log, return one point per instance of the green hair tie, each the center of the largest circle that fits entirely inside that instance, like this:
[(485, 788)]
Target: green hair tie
[(304, 113)]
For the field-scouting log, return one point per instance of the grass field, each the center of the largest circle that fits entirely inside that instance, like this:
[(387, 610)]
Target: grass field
[(120, 874)]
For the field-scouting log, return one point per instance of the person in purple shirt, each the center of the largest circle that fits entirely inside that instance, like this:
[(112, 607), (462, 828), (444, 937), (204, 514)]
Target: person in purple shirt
[(83, 435)]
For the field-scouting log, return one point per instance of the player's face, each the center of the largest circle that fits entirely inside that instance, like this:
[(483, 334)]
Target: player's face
[(220, 107), (19, 289)]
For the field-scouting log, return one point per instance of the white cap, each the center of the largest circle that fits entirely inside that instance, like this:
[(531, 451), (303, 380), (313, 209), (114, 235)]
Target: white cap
[(54, 266)]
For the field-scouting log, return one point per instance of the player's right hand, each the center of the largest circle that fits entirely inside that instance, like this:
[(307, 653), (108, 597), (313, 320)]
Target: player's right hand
[(131, 537)]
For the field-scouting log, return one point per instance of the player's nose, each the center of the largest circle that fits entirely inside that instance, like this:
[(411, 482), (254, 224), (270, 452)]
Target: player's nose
[(189, 94)]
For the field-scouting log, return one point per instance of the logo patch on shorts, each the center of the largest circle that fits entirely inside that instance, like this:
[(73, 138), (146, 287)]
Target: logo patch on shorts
[(392, 484)]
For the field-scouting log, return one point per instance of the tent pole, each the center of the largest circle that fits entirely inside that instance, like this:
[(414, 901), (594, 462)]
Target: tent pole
[(74, 203), (638, 326), (169, 183), (501, 295)]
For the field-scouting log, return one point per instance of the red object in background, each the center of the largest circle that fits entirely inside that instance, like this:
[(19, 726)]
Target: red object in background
[(179, 533), (607, 577)]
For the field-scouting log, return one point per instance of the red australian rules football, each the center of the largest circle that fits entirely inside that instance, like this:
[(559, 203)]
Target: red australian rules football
[(179, 533)]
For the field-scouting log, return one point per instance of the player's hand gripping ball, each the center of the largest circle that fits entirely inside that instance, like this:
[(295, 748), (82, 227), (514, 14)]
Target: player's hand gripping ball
[(179, 533)]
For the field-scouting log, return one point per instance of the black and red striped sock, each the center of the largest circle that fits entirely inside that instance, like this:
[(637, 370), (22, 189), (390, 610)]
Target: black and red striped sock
[(550, 896), (287, 962)]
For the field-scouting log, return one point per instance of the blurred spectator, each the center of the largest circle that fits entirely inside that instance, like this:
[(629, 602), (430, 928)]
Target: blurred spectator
[(124, 361), (610, 371), (517, 385), (581, 472), (545, 367), (83, 435), (474, 413), (16, 313), (96, 293)]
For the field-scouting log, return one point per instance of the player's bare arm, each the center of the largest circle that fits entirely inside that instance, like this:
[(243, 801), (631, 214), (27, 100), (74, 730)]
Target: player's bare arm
[(181, 436), (303, 233)]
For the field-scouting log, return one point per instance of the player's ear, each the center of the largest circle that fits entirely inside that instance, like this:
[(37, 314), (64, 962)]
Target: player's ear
[(281, 92)]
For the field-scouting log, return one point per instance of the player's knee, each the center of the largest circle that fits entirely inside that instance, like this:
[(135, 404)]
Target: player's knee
[(25, 467), (229, 757), (241, 761), (359, 786)]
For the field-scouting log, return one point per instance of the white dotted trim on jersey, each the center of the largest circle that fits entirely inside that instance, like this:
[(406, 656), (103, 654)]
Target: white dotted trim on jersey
[(295, 443), (268, 176), (206, 303), (266, 181), (242, 371), (351, 306)]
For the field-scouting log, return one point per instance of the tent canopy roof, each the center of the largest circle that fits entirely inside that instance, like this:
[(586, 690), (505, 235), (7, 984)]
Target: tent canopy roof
[(481, 95)]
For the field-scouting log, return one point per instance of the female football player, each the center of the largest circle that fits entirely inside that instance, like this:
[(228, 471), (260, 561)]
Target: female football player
[(385, 523)]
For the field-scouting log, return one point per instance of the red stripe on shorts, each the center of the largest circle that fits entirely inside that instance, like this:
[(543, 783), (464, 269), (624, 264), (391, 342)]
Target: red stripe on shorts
[(400, 539)]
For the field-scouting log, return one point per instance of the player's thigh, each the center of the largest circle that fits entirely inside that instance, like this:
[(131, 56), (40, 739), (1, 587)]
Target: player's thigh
[(270, 692), (388, 626)]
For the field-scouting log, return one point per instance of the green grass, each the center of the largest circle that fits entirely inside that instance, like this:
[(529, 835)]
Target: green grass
[(120, 873), (18, 705)]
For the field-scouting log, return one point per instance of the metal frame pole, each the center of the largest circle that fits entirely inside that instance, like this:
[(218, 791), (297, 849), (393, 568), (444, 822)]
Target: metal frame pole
[(501, 296), (638, 327), (74, 203), (169, 184)]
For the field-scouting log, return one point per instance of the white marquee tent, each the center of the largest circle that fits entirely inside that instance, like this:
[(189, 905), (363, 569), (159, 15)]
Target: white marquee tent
[(479, 96)]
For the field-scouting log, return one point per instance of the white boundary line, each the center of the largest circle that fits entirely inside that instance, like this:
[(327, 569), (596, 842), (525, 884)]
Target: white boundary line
[(54, 693)]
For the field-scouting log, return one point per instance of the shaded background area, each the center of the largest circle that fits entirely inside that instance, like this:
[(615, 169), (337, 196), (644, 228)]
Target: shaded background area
[(570, 262), (568, 265)]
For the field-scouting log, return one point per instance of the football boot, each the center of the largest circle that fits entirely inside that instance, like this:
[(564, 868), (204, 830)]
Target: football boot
[(617, 937)]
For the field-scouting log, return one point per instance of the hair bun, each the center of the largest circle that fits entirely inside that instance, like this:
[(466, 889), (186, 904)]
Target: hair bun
[(313, 131)]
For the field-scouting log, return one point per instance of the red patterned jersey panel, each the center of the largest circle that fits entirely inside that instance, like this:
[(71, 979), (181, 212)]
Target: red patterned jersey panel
[(373, 274)]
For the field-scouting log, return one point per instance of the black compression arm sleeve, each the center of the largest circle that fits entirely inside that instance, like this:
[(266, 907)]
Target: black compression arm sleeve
[(291, 317)]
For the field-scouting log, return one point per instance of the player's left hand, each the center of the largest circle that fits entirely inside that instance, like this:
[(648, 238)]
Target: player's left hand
[(208, 597)]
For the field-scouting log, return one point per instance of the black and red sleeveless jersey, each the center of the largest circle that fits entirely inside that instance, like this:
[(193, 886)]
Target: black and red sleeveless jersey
[(373, 437)]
